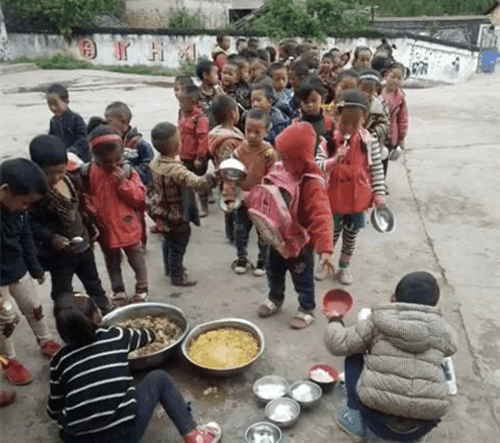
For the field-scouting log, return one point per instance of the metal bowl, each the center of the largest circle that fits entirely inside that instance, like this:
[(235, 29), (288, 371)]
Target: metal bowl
[(283, 411), (138, 309), (232, 169), (306, 393), (270, 387), (383, 219), (263, 432), (238, 323)]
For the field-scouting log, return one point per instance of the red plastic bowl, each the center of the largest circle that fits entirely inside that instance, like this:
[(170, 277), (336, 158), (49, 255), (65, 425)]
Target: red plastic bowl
[(336, 303), (327, 368)]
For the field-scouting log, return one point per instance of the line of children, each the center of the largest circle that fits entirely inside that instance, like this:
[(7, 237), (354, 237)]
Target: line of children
[(169, 206), (22, 183), (56, 222), (258, 156), (115, 196), (66, 124)]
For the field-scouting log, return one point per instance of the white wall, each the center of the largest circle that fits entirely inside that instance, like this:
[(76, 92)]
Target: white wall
[(426, 61)]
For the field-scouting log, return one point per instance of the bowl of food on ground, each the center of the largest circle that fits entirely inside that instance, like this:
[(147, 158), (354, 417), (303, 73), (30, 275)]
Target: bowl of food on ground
[(263, 432), (283, 411), (168, 322), (224, 347), (306, 393), (336, 303), (270, 387), (325, 376)]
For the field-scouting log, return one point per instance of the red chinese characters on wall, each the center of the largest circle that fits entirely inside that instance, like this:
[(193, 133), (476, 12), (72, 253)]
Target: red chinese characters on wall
[(120, 49), (87, 48)]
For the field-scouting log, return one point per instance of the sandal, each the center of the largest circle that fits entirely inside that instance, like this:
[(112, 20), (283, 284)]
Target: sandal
[(267, 309), (301, 320)]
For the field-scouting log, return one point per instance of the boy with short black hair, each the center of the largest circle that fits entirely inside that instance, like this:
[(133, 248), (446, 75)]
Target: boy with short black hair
[(137, 152), (210, 88), (22, 183), (298, 76), (63, 236), (168, 203), (66, 124), (262, 98), (279, 76), (193, 128), (395, 383), (220, 52), (258, 156)]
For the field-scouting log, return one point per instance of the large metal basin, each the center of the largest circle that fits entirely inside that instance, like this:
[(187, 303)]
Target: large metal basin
[(238, 323), (138, 309)]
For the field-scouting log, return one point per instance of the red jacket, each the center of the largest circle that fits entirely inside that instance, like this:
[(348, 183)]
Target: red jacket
[(398, 115), (296, 145), (194, 128), (315, 215), (118, 207)]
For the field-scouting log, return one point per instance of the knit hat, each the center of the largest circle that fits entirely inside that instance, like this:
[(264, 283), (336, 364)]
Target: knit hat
[(418, 287), (296, 145), (47, 150)]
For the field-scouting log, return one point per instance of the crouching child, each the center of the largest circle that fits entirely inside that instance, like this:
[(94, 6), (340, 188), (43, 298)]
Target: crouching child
[(395, 384)]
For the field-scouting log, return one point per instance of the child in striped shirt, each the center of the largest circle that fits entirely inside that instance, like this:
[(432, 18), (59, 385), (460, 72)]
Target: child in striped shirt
[(355, 176), (92, 396)]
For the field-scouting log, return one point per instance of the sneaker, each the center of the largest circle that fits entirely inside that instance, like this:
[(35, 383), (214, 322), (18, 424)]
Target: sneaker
[(16, 373), (320, 273), (6, 398), (203, 210), (268, 308), (209, 433), (344, 276), (260, 269), (140, 297), (184, 281), (351, 422), (50, 348), (119, 299), (240, 265)]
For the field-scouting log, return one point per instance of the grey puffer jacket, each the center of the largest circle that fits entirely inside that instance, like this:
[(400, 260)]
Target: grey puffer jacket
[(404, 345)]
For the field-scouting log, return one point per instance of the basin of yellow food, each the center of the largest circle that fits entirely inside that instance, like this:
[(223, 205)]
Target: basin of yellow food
[(224, 347)]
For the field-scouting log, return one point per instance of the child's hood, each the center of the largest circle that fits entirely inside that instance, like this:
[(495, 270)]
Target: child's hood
[(296, 146), (376, 106), (412, 327)]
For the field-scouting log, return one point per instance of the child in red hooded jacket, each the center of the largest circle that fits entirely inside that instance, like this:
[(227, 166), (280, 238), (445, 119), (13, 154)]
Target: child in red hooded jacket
[(296, 145), (116, 197)]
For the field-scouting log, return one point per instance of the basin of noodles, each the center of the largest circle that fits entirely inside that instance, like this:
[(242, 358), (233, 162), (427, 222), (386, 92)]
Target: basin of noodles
[(166, 330)]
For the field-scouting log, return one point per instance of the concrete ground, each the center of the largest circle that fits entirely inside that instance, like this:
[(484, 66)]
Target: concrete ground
[(444, 193)]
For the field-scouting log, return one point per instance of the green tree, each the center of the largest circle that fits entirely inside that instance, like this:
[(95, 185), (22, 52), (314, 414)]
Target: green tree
[(312, 18), (65, 14)]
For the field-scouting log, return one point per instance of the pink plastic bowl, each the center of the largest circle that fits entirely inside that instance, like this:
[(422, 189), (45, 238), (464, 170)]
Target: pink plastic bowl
[(336, 303)]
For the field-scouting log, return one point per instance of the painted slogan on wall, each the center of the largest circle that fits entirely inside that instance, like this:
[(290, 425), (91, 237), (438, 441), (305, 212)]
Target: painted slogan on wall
[(88, 50)]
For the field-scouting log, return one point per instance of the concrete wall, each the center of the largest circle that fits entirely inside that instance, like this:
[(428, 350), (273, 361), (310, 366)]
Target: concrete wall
[(156, 13), (4, 43), (426, 60)]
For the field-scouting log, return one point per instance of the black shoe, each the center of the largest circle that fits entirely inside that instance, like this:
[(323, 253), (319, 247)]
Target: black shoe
[(240, 265), (184, 281), (260, 269)]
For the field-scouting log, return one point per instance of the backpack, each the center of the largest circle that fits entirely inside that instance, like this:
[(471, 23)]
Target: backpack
[(273, 209)]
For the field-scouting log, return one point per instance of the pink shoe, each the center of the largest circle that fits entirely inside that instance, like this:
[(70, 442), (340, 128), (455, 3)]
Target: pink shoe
[(50, 348), (209, 433)]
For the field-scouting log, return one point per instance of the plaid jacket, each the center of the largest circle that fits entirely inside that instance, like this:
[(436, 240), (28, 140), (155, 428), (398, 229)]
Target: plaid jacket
[(165, 202)]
